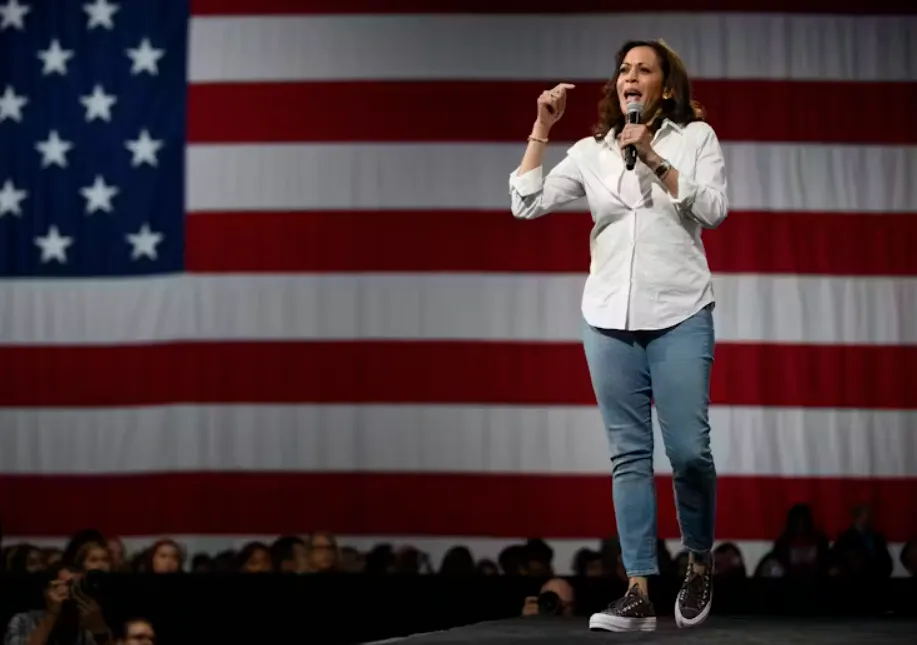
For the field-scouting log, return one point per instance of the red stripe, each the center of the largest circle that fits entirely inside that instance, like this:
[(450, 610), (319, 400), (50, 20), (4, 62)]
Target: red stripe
[(437, 111), (421, 504), (867, 244), (303, 7), (429, 372)]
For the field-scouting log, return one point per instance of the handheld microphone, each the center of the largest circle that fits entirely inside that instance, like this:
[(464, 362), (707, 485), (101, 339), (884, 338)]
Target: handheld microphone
[(634, 113)]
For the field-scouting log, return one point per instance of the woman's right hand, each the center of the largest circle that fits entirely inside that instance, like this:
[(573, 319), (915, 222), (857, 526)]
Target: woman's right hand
[(551, 105)]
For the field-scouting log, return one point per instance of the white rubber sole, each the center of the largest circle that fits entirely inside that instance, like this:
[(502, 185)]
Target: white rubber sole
[(607, 623), (683, 622)]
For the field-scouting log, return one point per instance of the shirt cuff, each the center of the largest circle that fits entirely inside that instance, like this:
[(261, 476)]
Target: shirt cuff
[(687, 191), (527, 184)]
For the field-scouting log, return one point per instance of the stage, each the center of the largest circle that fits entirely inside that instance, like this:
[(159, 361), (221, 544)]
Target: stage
[(760, 631)]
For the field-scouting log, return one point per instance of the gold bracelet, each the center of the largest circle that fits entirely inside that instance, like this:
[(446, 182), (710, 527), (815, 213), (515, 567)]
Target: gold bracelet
[(532, 137)]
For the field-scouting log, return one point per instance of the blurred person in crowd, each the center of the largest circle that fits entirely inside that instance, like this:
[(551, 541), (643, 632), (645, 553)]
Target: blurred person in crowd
[(6, 554), (352, 561), (225, 561), (116, 554), (380, 560), (255, 557), (24, 559), (588, 563), (861, 550), (539, 560), (909, 556), (612, 560), (512, 560), (288, 554), (411, 560), (728, 561), (201, 563), (458, 561), (770, 566), (322, 553), (51, 556), (555, 598), (78, 540), (136, 631), (69, 616), (487, 567), (802, 549), (164, 556), (92, 556)]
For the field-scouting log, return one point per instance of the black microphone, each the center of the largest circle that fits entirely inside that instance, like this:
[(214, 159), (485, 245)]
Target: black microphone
[(634, 113)]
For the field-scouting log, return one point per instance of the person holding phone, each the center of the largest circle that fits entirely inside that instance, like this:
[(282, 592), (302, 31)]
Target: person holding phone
[(69, 617)]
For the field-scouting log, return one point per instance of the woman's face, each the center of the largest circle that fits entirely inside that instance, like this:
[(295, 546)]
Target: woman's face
[(97, 559), (33, 561), (322, 553), (258, 562), (167, 559), (640, 79)]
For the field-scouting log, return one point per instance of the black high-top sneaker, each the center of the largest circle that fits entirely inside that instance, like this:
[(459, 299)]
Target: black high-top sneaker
[(693, 603), (632, 613)]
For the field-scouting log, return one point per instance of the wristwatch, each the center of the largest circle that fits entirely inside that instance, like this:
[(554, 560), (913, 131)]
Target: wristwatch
[(663, 168)]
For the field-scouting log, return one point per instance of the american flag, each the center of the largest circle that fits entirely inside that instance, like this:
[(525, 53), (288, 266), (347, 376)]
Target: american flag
[(259, 274)]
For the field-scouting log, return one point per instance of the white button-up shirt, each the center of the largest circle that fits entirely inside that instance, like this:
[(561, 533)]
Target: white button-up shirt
[(648, 269)]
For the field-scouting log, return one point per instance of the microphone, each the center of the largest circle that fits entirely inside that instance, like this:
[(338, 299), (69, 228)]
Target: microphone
[(634, 113)]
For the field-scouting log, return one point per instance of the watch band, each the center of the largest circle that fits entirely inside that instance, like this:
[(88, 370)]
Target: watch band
[(662, 169)]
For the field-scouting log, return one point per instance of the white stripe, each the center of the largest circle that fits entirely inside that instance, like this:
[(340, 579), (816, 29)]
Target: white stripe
[(726, 45), (434, 547), (429, 306), (444, 176), (747, 441)]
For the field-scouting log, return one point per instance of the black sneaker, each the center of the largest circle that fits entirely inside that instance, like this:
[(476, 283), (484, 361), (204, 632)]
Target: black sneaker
[(693, 603), (632, 613)]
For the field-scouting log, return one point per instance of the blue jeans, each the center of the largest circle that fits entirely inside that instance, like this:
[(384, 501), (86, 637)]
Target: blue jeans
[(630, 370)]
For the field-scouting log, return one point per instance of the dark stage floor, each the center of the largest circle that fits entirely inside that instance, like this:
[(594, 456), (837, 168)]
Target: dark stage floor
[(760, 631)]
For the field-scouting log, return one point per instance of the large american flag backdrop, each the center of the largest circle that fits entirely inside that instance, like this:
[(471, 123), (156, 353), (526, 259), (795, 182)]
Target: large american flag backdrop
[(259, 274)]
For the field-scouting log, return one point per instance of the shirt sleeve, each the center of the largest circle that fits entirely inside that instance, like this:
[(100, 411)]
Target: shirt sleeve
[(533, 195), (18, 630), (703, 197)]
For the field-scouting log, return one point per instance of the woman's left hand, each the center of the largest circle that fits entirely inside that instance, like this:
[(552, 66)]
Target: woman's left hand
[(640, 137)]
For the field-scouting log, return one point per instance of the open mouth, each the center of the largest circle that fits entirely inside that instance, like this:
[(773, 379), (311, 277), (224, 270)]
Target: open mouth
[(632, 95)]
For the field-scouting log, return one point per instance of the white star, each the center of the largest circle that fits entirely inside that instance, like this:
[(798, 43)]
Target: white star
[(55, 58), (13, 14), (10, 198), (144, 242), (53, 150), (98, 104), (100, 14), (53, 246), (11, 105), (144, 149), (99, 196), (145, 58)]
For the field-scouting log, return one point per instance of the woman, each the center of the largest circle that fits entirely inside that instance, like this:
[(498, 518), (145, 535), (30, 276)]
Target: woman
[(647, 305)]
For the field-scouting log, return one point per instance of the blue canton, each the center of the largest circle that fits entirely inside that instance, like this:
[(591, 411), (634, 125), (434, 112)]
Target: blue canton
[(92, 137)]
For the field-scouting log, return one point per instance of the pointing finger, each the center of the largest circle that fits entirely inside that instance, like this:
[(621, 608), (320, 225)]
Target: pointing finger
[(566, 86)]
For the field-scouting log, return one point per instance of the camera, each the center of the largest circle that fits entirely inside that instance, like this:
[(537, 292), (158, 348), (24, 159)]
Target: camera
[(90, 584), (549, 604)]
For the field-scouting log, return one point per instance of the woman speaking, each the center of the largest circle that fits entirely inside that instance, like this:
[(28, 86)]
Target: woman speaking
[(654, 177)]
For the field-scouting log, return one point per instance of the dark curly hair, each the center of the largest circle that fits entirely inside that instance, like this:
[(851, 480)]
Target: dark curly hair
[(679, 108)]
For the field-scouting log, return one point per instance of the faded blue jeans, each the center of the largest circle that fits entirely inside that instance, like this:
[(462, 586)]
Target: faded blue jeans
[(630, 370)]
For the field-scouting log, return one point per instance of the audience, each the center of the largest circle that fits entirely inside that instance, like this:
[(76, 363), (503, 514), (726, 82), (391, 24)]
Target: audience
[(70, 615), (801, 550)]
